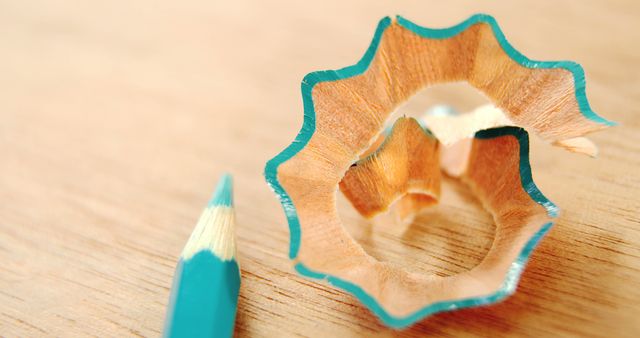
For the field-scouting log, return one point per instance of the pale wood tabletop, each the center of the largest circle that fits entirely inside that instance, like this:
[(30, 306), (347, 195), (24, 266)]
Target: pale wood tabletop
[(117, 118)]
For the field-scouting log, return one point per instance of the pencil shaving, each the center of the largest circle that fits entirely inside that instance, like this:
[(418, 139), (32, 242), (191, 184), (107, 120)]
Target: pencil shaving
[(345, 112)]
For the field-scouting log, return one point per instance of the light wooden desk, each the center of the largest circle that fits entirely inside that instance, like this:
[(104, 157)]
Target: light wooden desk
[(117, 118)]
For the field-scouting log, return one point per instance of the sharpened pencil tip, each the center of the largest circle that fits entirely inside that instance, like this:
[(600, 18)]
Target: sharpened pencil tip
[(215, 230), (223, 194), (204, 294)]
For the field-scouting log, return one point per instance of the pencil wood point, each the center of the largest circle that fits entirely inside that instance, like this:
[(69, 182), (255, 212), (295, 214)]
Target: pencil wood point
[(215, 230)]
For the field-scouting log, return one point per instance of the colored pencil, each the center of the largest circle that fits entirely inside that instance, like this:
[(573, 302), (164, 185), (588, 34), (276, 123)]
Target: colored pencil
[(206, 283)]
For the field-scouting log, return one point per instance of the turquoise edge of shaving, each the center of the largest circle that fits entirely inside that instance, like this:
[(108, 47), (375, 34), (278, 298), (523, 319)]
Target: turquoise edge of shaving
[(308, 129), (204, 294)]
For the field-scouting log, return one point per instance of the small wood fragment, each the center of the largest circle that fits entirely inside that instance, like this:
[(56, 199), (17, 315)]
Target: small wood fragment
[(405, 169)]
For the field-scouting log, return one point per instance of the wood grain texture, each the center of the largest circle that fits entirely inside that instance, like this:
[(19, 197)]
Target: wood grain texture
[(117, 118)]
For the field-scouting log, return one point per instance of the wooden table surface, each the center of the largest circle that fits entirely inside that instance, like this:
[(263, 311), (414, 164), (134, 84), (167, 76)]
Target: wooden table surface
[(118, 117)]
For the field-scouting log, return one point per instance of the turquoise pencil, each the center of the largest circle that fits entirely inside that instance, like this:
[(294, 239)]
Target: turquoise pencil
[(206, 283)]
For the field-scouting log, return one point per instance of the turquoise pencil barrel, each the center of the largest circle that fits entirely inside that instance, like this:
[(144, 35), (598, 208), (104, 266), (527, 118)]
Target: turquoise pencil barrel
[(204, 297)]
